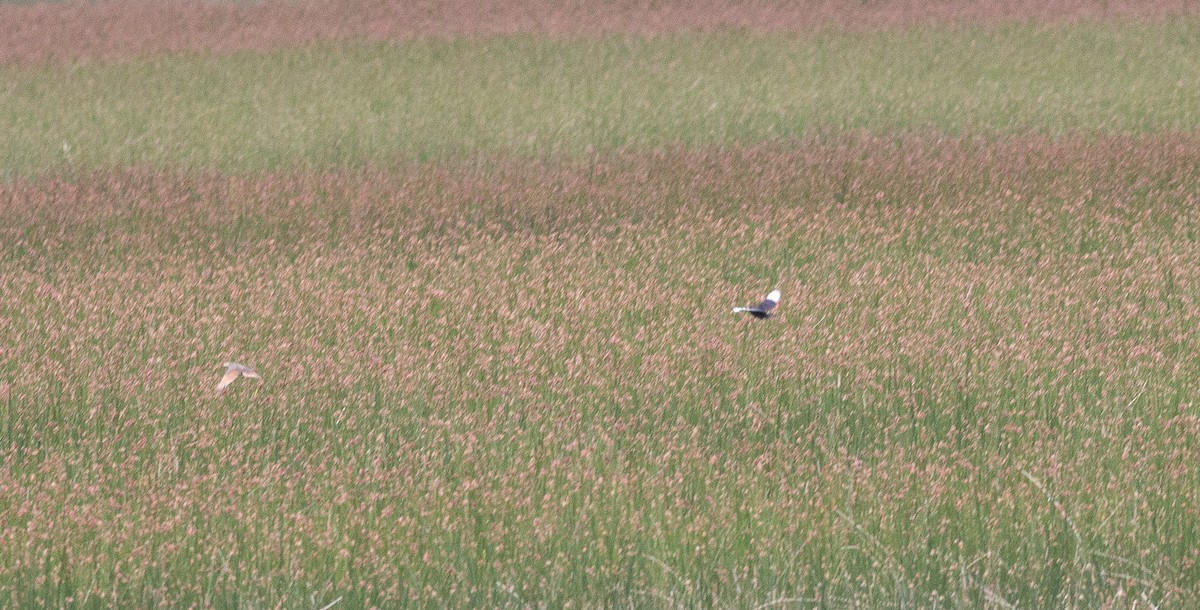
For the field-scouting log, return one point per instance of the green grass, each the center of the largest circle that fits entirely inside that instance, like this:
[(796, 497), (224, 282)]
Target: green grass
[(500, 369), (339, 105)]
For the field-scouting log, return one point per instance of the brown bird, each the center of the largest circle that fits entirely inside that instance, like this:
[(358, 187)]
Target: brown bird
[(762, 310), (233, 370)]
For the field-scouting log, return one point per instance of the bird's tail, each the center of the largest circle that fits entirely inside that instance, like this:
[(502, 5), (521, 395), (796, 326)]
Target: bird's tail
[(740, 309)]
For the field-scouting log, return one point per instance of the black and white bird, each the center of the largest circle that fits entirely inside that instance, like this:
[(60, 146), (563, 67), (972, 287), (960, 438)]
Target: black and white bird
[(233, 370), (762, 310)]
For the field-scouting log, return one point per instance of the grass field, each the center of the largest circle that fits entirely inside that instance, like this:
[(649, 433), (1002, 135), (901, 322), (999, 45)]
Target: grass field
[(434, 99), (489, 293)]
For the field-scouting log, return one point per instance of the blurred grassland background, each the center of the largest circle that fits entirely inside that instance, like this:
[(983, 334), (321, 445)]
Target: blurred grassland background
[(488, 284), (356, 102)]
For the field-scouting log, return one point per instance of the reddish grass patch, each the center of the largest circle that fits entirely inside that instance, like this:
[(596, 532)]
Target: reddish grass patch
[(1023, 213), (110, 30), (519, 373)]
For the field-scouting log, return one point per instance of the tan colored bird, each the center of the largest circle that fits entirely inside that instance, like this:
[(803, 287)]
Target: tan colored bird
[(233, 370)]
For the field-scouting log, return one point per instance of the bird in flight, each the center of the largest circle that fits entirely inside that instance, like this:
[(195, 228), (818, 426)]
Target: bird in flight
[(762, 310), (233, 370)]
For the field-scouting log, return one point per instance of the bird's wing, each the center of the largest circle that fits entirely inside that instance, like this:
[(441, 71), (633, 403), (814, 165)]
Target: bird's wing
[(229, 378), (770, 302)]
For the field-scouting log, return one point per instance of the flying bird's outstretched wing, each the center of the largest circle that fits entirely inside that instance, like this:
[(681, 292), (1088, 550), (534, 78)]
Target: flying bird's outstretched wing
[(768, 303), (763, 309), (231, 375), (233, 370)]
